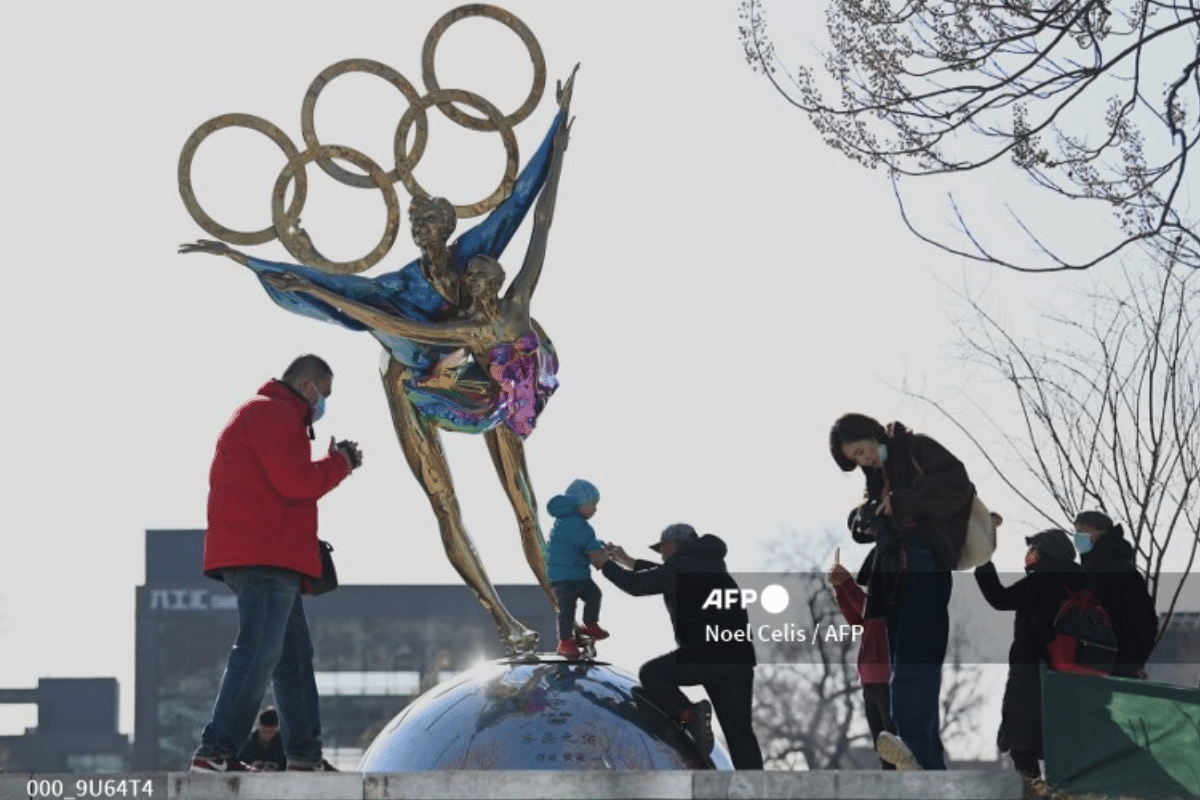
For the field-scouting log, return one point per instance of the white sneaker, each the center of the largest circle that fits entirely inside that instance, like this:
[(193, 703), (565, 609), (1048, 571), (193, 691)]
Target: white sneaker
[(220, 764), (892, 749)]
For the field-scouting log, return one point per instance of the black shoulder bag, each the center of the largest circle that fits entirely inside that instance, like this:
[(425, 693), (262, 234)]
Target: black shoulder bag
[(328, 580)]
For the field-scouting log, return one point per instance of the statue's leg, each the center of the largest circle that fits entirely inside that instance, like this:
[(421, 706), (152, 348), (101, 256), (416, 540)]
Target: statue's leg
[(508, 454), (422, 446)]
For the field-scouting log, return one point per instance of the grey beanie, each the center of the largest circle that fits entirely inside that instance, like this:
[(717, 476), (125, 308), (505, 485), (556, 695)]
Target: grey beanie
[(582, 492)]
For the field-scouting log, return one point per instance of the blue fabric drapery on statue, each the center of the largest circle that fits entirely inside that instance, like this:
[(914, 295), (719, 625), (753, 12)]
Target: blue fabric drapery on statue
[(469, 405)]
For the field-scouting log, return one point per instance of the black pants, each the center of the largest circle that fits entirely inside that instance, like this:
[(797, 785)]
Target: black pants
[(1026, 763), (567, 594), (730, 688), (877, 703)]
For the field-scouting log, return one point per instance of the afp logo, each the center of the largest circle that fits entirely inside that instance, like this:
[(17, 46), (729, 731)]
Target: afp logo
[(773, 598)]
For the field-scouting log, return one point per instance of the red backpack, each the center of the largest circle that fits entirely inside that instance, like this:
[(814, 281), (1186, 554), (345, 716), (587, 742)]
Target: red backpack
[(1084, 640)]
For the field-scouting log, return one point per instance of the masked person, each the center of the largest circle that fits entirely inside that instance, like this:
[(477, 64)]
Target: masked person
[(262, 542), (1108, 558), (1050, 571), (917, 505)]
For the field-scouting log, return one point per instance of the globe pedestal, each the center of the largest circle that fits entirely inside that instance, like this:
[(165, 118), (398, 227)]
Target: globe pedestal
[(543, 714)]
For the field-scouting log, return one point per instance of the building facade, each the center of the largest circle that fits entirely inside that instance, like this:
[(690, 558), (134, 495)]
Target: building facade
[(76, 728), (376, 648)]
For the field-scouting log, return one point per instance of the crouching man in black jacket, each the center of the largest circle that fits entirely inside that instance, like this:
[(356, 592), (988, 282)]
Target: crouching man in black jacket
[(692, 568)]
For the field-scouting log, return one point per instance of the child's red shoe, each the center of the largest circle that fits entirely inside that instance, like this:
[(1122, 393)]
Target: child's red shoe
[(593, 630), (568, 648)]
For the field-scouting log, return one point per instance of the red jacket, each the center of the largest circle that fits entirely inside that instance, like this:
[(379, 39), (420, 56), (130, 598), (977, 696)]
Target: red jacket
[(873, 660), (264, 487)]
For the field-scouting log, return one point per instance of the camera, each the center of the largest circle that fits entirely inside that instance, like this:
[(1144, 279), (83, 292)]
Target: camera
[(347, 447), (866, 520)]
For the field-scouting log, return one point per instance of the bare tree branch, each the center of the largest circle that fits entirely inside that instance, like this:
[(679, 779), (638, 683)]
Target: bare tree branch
[(1109, 404), (1095, 102)]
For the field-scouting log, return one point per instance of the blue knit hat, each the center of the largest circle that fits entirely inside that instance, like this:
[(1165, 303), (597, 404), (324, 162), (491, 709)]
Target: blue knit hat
[(582, 492)]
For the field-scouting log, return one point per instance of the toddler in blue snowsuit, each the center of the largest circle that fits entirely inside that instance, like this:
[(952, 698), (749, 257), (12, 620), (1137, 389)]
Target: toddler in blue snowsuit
[(568, 565)]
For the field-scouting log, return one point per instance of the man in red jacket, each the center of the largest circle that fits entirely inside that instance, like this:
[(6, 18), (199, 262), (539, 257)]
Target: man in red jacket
[(262, 541)]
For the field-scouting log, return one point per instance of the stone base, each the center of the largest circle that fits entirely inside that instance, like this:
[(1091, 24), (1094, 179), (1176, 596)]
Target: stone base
[(536, 785)]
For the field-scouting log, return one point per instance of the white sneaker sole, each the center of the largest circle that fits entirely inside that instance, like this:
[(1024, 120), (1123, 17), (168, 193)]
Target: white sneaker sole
[(892, 749)]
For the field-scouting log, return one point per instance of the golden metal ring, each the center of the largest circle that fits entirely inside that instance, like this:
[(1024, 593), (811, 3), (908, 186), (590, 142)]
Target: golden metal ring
[(189, 195), (510, 21), (496, 118), (309, 105), (285, 222)]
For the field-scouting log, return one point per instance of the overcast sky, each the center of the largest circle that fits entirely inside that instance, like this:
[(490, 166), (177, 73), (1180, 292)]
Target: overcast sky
[(720, 286)]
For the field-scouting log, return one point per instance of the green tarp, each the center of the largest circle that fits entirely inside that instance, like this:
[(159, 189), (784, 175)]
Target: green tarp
[(1115, 737)]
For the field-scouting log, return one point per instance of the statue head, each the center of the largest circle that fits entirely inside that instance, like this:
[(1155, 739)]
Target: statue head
[(484, 277), (432, 220)]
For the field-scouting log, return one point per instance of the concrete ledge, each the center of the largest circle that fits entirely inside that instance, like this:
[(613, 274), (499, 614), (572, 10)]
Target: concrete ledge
[(528, 785), (857, 785), (267, 786), (525, 785)]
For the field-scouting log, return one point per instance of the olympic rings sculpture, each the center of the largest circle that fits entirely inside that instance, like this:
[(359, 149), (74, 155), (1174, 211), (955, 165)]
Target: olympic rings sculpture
[(285, 219)]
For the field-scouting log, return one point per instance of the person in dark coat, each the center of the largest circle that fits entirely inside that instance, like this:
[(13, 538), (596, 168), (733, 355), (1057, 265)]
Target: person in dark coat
[(264, 749), (1050, 571), (692, 568), (1108, 558), (918, 502)]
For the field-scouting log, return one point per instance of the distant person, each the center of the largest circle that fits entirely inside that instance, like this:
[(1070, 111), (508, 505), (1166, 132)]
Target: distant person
[(918, 502), (569, 567), (692, 567), (1050, 572), (873, 668), (262, 541), (1108, 558), (264, 749)]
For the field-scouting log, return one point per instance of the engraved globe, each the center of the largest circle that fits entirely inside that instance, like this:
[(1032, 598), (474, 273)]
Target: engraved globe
[(547, 714)]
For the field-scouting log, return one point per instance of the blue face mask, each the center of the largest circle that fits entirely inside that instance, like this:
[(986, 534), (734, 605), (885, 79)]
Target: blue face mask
[(1083, 543), (319, 408)]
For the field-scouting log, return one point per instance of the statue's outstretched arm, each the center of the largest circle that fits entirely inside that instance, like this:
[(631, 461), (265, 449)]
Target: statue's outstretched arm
[(522, 287), (214, 248), (491, 236), (449, 334)]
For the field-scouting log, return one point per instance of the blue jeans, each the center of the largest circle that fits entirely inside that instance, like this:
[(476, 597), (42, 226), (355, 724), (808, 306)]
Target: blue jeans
[(918, 630), (273, 644)]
